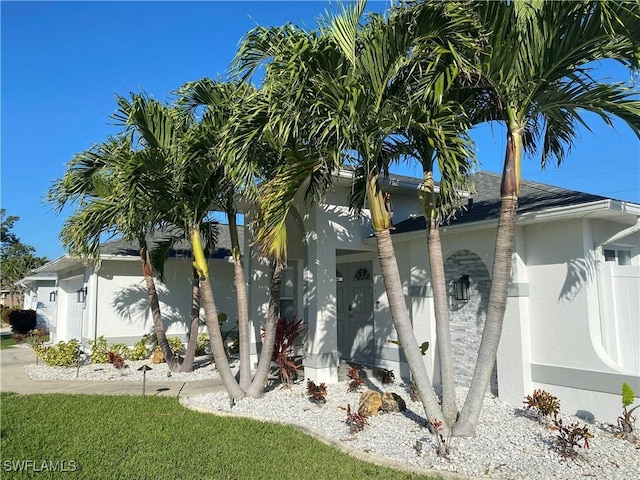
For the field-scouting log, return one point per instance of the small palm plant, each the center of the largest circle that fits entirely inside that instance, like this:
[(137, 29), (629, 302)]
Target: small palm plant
[(626, 422)]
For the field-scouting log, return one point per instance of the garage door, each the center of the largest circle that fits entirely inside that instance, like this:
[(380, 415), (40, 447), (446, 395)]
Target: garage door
[(72, 312)]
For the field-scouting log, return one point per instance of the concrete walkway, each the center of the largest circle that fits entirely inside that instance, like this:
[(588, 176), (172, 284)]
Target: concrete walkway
[(13, 378)]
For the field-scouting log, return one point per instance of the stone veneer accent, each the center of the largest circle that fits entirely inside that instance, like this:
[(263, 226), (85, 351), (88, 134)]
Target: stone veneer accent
[(467, 318)]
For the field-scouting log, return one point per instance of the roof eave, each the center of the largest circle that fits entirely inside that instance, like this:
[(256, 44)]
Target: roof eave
[(616, 207)]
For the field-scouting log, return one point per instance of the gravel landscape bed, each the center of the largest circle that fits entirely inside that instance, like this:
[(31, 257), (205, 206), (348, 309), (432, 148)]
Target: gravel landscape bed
[(204, 370), (511, 443)]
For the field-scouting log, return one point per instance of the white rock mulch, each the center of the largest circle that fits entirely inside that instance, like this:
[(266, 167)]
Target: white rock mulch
[(510, 442), (204, 370)]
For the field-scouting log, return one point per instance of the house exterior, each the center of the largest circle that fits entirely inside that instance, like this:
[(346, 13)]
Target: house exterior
[(39, 295), (111, 300), (572, 325)]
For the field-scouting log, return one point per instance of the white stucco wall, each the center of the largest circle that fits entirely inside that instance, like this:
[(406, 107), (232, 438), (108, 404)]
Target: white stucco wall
[(122, 311)]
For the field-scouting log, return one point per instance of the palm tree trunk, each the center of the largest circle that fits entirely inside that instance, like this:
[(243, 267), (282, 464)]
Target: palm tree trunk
[(241, 298), (158, 325), (211, 318), (440, 300), (468, 421), (443, 328), (266, 354), (404, 329), (190, 354)]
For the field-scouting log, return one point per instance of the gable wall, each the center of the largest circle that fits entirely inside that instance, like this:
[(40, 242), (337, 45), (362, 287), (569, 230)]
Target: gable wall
[(122, 307)]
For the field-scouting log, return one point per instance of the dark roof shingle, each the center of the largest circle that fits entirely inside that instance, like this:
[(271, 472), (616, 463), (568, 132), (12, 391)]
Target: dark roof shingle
[(485, 203)]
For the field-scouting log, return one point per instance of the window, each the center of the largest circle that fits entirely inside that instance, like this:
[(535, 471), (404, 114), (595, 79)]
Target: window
[(362, 274), (621, 256), (287, 297)]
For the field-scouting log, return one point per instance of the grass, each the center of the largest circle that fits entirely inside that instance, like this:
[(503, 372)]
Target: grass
[(155, 437), (7, 340)]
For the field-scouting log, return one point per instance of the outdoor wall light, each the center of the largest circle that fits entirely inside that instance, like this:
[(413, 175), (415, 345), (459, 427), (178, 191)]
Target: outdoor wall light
[(53, 295), (81, 295), (461, 288)]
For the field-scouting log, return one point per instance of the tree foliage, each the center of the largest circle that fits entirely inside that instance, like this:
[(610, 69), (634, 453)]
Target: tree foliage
[(18, 259)]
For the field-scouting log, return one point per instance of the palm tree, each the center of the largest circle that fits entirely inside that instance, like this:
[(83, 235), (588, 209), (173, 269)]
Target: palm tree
[(334, 91), (221, 100), (534, 76), (106, 184), (455, 159), (190, 188)]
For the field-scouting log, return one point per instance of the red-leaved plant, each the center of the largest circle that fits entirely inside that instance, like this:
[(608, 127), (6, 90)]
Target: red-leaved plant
[(355, 382), (317, 393), (287, 335), (356, 420), (116, 359)]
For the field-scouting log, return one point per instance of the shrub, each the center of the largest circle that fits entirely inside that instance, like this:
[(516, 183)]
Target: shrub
[(62, 354), (6, 311), (317, 393), (570, 437), (355, 381), (139, 350), (386, 376), (356, 421), (99, 350), (116, 359), (287, 334), (175, 343), (120, 348), (202, 344), (23, 321), (543, 402)]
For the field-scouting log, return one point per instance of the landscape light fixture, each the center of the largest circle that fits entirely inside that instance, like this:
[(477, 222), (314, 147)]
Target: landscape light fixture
[(144, 369), (81, 295), (461, 288)]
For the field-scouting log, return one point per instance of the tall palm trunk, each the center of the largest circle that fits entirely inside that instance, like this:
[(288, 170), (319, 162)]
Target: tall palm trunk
[(211, 316), (190, 354), (404, 329), (380, 221), (147, 270), (241, 298), (510, 188), (264, 364), (440, 300)]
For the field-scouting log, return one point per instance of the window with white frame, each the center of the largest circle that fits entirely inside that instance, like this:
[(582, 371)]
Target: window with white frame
[(618, 255), (288, 293)]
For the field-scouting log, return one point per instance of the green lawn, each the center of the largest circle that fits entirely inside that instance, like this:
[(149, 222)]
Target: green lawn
[(156, 438), (6, 340)]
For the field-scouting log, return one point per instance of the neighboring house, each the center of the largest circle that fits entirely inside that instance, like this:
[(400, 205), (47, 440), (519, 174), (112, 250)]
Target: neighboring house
[(572, 325), (40, 295), (10, 298), (111, 299)]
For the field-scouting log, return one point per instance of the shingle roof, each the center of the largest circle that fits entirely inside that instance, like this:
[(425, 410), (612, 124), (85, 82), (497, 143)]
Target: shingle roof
[(485, 203), (180, 249)]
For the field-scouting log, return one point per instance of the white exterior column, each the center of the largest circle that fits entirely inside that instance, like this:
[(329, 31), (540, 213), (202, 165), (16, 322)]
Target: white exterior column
[(514, 351), (321, 358)]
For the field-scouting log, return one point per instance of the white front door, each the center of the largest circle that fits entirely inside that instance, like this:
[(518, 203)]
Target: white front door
[(69, 322)]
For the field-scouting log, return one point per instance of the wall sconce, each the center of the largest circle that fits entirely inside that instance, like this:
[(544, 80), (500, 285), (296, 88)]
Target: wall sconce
[(81, 295), (461, 288), (53, 295)]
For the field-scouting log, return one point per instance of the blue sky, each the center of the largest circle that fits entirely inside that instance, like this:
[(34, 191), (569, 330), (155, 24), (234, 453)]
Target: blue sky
[(64, 62)]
